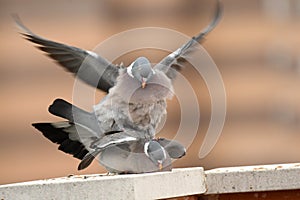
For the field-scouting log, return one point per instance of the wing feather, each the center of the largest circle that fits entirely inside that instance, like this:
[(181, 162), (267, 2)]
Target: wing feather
[(175, 61), (88, 66)]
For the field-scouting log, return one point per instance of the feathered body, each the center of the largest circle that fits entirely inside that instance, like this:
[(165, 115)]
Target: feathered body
[(122, 127), (130, 107)]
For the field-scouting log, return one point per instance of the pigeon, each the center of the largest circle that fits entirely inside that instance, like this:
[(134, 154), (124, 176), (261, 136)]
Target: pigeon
[(129, 156), (118, 151), (99, 72), (135, 157), (128, 116), (137, 94)]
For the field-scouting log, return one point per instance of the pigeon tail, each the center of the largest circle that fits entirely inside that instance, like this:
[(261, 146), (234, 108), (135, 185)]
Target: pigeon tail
[(55, 133), (75, 115)]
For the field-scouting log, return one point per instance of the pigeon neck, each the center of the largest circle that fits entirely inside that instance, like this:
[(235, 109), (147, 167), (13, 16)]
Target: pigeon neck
[(146, 148)]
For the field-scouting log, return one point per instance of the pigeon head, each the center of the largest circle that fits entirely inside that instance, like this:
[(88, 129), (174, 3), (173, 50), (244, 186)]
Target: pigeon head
[(155, 152), (141, 70)]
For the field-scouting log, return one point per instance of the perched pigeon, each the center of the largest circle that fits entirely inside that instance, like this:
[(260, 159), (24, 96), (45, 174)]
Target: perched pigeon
[(128, 115), (119, 151)]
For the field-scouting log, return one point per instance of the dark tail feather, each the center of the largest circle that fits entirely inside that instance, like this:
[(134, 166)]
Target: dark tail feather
[(87, 160), (59, 136), (62, 109), (74, 114)]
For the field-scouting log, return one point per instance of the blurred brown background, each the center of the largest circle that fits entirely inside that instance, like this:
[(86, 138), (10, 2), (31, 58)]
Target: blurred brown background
[(256, 47)]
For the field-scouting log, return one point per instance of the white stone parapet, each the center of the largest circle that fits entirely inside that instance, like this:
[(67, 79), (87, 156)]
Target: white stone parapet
[(160, 185)]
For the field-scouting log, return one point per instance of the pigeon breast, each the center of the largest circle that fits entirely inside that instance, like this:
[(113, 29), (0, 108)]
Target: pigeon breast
[(131, 107)]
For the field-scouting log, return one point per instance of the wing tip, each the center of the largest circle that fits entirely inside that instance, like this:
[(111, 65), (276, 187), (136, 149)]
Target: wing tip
[(19, 24), (214, 22)]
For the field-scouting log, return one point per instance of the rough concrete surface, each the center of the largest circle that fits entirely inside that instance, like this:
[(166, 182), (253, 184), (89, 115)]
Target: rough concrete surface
[(253, 178), (185, 183), (179, 182)]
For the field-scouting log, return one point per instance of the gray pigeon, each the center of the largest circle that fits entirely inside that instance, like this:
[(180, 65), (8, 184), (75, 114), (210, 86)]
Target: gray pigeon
[(130, 112), (119, 151), (134, 157)]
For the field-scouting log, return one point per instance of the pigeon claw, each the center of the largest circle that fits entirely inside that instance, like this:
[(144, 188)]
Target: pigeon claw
[(143, 84), (160, 166)]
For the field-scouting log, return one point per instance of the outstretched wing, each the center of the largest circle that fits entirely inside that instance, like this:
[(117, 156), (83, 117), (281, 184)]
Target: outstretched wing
[(88, 66), (174, 61)]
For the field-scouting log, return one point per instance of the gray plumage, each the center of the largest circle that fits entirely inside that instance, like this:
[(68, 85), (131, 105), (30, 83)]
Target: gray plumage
[(124, 123), (129, 106), (141, 70), (131, 158), (119, 151), (155, 152), (175, 61), (87, 65), (96, 70), (174, 148)]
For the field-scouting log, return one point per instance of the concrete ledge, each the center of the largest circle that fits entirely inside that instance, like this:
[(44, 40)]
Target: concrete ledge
[(179, 182), (253, 178)]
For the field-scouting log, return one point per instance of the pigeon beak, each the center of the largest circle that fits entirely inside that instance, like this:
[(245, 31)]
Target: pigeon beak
[(143, 84)]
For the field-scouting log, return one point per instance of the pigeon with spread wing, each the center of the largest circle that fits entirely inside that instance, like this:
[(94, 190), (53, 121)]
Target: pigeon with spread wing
[(124, 123)]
